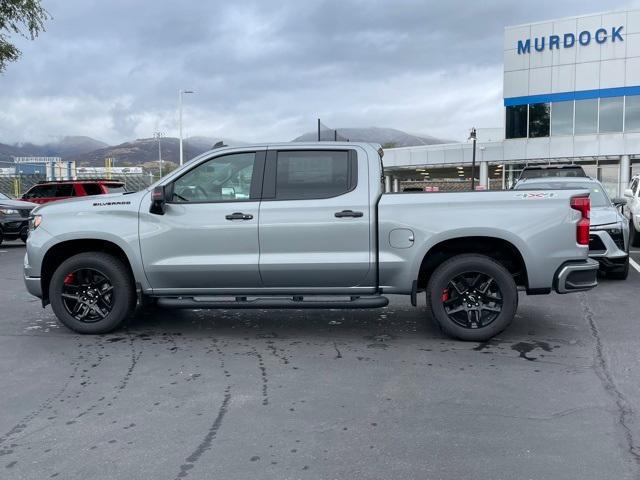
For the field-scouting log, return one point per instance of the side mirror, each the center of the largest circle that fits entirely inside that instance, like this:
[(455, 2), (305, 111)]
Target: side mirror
[(628, 193), (619, 202), (158, 200)]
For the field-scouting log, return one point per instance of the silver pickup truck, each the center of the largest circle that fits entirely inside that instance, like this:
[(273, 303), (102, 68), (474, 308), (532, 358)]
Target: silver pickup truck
[(305, 226)]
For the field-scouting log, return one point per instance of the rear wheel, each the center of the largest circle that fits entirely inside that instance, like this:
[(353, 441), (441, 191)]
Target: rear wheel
[(92, 293), (472, 297)]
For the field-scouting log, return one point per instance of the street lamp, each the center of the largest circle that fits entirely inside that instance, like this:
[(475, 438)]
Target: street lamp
[(158, 136), (180, 94), (473, 136)]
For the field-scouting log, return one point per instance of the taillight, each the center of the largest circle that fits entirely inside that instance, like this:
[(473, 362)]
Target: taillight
[(583, 205)]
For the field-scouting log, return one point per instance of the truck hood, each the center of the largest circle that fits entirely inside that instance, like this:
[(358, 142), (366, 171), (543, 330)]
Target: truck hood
[(19, 204), (604, 216), (93, 203)]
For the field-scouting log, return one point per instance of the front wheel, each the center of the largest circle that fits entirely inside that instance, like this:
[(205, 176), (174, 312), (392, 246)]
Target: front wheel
[(472, 297), (92, 293)]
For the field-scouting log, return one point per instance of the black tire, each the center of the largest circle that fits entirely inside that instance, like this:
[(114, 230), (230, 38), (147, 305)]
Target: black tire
[(503, 291), (620, 273), (634, 236), (121, 292), (24, 234)]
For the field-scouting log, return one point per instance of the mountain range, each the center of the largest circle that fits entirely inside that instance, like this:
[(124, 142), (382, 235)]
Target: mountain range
[(86, 151)]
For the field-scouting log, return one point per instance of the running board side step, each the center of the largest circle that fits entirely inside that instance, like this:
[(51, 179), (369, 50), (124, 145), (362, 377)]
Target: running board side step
[(271, 302)]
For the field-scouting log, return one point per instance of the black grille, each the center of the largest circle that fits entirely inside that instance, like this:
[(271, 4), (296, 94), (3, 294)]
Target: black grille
[(24, 212), (595, 243)]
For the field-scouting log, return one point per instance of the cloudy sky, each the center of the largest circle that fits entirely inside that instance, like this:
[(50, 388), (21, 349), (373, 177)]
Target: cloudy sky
[(265, 70)]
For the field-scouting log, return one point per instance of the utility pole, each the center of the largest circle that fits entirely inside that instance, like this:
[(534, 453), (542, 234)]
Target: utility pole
[(158, 136), (180, 95), (473, 137), (318, 129)]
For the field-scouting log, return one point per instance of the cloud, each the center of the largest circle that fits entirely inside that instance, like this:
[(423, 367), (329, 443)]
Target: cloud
[(263, 70)]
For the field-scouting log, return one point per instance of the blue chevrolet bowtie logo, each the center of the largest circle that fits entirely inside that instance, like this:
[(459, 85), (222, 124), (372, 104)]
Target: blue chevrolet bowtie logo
[(568, 40)]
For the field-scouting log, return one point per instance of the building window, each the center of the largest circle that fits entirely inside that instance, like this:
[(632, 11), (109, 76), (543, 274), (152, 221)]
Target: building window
[(562, 118), (632, 114), (538, 120), (586, 116), (516, 121), (611, 113)]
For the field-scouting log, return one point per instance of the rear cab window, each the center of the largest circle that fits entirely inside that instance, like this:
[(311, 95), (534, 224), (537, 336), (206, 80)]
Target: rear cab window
[(114, 188)]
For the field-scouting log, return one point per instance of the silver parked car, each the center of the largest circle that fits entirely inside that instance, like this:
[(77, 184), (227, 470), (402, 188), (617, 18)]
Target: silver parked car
[(609, 231)]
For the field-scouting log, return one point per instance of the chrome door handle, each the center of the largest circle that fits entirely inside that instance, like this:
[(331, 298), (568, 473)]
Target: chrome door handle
[(238, 216)]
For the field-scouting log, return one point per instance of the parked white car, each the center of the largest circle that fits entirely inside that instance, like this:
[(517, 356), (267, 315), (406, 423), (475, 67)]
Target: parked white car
[(632, 210)]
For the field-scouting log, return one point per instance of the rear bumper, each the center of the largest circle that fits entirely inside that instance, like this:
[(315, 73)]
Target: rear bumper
[(576, 276)]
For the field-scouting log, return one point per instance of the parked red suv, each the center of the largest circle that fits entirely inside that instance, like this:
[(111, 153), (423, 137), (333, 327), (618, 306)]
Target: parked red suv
[(45, 192)]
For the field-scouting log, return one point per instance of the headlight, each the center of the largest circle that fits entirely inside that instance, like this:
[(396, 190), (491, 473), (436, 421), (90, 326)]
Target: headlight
[(35, 221), (8, 211)]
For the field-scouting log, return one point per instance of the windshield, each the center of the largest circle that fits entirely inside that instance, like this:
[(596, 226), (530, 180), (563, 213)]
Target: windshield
[(597, 195), (4, 197)]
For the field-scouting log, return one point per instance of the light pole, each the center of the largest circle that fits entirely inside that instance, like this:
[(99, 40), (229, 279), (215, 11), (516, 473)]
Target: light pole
[(158, 136), (472, 136), (180, 94)]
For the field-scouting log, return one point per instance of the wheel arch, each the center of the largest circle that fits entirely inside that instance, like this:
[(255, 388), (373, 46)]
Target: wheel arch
[(499, 249), (61, 251)]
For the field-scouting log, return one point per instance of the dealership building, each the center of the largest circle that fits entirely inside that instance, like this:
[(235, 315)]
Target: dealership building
[(571, 91)]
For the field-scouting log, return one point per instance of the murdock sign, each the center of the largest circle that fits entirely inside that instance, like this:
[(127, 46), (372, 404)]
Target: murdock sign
[(569, 40)]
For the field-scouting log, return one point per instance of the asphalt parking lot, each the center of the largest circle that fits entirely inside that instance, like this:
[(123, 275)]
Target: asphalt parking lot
[(322, 395)]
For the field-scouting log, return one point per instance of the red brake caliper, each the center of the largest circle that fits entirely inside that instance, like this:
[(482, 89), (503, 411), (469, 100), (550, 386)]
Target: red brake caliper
[(69, 278), (445, 295)]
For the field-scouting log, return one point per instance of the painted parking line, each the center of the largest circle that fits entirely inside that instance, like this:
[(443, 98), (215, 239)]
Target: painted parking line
[(633, 263)]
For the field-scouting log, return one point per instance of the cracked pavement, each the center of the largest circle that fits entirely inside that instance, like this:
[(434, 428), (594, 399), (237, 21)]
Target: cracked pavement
[(377, 394)]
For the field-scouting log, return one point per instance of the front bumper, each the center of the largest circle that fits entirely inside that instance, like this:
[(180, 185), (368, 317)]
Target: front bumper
[(577, 276), (34, 286), (13, 226)]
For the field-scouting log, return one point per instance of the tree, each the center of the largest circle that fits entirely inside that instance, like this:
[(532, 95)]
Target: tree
[(21, 17)]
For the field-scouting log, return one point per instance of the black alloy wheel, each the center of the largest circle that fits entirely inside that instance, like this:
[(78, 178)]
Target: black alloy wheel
[(472, 297), (87, 295), (472, 300), (92, 292)]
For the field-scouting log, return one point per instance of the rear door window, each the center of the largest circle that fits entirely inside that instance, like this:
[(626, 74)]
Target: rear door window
[(92, 188), (314, 174), (64, 190)]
